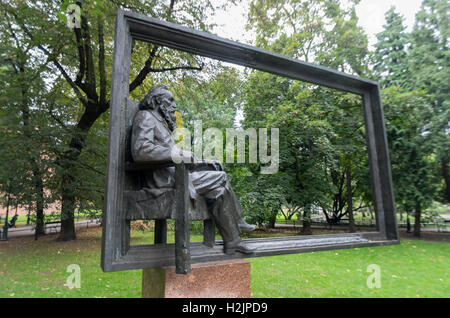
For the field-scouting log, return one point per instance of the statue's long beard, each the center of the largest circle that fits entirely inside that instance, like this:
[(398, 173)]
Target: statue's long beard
[(169, 117)]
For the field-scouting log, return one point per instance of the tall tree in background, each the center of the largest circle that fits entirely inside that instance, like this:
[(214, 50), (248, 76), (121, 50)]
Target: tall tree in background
[(319, 31), (391, 57), (430, 70), (25, 137), (409, 149), (415, 70)]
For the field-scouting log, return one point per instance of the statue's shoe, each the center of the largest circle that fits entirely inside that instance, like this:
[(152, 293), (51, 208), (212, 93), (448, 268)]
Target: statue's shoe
[(244, 226), (231, 248)]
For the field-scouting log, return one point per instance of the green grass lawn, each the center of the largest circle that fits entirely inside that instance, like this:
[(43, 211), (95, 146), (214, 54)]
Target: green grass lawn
[(412, 269), (21, 220), (54, 216)]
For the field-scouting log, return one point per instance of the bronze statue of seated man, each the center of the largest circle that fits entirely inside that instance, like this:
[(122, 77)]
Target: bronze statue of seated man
[(152, 142)]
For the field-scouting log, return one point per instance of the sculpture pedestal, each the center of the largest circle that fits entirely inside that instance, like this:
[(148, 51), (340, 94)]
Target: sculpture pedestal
[(225, 279)]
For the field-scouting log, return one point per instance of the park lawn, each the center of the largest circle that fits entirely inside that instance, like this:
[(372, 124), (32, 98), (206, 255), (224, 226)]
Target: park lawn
[(412, 269), (22, 219)]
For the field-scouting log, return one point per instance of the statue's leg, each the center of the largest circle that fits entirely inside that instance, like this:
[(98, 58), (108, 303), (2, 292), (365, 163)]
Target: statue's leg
[(215, 184), (228, 228), (226, 224), (233, 206), (209, 232)]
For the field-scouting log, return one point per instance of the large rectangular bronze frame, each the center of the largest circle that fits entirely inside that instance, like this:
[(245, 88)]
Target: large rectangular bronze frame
[(117, 254)]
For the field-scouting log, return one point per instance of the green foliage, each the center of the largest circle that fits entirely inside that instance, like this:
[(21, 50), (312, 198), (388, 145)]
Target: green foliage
[(213, 100), (430, 70), (321, 131), (409, 147), (262, 200), (421, 61), (65, 88), (26, 156), (391, 57), (320, 31)]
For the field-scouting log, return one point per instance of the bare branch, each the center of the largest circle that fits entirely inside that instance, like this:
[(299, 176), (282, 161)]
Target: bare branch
[(82, 59), (12, 31), (145, 70), (360, 207), (195, 68), (290, 19), (59, 121), (172, 3), (90, 69), (148, 69)]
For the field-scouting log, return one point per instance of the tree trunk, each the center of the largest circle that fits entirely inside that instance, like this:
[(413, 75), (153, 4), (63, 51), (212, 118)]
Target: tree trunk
[(446, 175), (5, 227), (39, 188), (408, 224), (37, 175), (351, 219), (67, 160), (67, 208), (306, 229), (28, 217), (417, 213), (272, 220)]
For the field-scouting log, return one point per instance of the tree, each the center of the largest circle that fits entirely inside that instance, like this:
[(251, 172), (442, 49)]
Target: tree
[(349, 173), (25, 132), (416, 66), (408, 144), (86, 75), (213, 101), (305, 151), (391, 56), (320, 31), (323, 32), (262, 199), (430, 70)]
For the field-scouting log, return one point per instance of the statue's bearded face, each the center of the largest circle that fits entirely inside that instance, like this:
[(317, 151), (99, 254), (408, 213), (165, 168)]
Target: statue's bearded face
[(167, 107)]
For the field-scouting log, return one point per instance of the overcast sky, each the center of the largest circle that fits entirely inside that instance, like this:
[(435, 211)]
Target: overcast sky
[(370, 14)]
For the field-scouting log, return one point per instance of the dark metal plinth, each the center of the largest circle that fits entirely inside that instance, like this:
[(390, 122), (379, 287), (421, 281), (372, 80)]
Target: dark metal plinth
[(161, 255)]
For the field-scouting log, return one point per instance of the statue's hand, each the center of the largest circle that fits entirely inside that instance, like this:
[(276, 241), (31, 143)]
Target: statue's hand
[(180, 155), (189, 156)]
